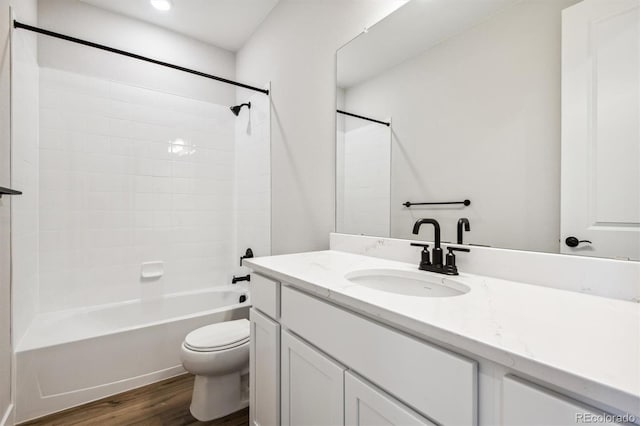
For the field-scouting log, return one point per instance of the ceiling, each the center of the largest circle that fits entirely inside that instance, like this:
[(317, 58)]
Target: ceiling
[(223, 23), (412, 29)]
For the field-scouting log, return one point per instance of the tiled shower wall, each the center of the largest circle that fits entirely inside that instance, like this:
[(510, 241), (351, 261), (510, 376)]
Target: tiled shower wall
[(363, 178), (130, 175)]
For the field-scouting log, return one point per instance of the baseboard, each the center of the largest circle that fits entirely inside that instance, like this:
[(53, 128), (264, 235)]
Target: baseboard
[(7, 419)]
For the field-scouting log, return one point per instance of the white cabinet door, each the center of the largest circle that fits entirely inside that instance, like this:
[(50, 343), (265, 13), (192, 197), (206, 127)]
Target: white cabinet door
[(365, 405), (529, 405), (312, 386), (600, 196), (264, 371)]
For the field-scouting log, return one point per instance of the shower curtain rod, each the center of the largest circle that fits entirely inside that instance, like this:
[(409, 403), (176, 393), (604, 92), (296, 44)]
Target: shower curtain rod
[(20, 25), (363, 117)]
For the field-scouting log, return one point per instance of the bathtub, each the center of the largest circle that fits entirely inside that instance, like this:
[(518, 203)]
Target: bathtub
[(73, 357)]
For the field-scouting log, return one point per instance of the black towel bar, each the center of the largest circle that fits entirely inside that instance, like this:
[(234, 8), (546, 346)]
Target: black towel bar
[(409, 203)]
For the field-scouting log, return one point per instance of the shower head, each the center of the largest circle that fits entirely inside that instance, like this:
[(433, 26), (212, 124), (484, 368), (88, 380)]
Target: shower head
[(236, 109)]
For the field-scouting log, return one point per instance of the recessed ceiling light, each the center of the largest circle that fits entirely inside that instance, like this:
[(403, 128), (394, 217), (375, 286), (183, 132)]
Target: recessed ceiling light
[(162, 5)]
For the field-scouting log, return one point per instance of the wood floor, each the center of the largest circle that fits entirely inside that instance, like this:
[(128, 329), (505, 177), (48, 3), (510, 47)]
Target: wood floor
[(164, 403)]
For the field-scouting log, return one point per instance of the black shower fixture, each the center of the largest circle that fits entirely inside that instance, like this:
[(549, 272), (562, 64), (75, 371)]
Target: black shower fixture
[(236, 109)]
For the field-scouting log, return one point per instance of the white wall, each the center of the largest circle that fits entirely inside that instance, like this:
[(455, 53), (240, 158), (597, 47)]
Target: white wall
[(5, 216), (295, 49), (478, 117), (84, 21), (24, 170)]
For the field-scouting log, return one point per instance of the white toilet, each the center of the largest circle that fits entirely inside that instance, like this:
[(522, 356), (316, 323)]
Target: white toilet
[(218, 355)]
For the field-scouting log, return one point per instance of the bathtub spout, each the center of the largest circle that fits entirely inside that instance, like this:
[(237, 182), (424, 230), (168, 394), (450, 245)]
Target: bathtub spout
[(235, 279)]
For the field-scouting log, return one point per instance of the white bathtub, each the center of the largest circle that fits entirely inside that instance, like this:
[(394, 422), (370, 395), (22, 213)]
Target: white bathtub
[(73, 357)]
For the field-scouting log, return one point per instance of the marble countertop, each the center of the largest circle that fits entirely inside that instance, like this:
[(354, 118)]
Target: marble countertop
[(582, 343)]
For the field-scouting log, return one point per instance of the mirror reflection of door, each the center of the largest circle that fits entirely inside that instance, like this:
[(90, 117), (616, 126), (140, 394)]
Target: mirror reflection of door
[(600, 208)]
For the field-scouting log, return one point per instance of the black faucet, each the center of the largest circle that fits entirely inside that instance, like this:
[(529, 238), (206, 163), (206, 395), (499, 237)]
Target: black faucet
[(449, 268), (436, 264), (462, 221)]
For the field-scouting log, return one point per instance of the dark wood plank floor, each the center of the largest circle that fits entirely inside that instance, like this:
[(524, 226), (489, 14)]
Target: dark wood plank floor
[(164, 403)]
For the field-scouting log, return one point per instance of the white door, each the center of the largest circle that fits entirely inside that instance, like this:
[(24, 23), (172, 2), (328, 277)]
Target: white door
[(365, 405), (601, 129), (312, 386), (264, 371)]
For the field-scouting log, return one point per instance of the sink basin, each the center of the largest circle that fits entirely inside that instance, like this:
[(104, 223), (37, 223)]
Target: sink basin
[(408, 283)]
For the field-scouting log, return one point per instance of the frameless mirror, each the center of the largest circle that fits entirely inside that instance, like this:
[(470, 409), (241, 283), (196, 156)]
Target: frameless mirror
[(521, 116)]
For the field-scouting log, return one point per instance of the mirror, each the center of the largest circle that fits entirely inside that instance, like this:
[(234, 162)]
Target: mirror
[(527, 110), (363, 175)]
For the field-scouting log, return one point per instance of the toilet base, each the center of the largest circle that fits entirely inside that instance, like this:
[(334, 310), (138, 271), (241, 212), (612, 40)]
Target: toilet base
[(217, 396)]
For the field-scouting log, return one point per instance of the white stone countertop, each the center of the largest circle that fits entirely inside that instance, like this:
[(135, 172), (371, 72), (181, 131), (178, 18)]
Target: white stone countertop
[(585, 344)]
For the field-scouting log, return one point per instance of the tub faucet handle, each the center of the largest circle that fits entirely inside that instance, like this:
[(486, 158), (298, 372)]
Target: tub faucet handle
[(247, 255)]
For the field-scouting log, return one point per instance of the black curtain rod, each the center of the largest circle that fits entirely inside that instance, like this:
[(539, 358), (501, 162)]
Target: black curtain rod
[(363, 117), (17, 24)]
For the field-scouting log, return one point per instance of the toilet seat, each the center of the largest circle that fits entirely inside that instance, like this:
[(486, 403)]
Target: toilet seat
[(218, 337)]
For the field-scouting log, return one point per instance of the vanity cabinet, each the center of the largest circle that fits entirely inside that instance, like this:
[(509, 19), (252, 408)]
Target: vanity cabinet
[(438, 383), (265, 295), (264, 370), (316, 363), (366, 405), (312, 385), (264, 366), (525, 404)]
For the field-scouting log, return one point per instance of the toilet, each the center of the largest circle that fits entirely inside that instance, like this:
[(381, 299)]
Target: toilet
[(218, 355)]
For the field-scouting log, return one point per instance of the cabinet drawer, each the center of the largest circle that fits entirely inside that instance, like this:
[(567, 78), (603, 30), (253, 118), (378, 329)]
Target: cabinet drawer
[(525, 404), (437, 383), (265, 295)]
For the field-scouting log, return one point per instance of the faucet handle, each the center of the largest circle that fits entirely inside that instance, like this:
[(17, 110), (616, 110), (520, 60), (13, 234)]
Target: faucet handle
[(450, 260), (425, 256), (247, 255), (452, 249), (419, 245)]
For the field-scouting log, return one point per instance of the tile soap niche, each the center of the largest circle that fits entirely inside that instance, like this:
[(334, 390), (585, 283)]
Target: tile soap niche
[(152, 270)]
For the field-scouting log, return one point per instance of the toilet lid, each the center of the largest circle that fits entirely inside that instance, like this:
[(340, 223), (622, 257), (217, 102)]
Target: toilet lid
[(222, 335)]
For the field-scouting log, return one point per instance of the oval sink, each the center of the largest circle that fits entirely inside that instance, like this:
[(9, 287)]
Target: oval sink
[(407, 283)]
